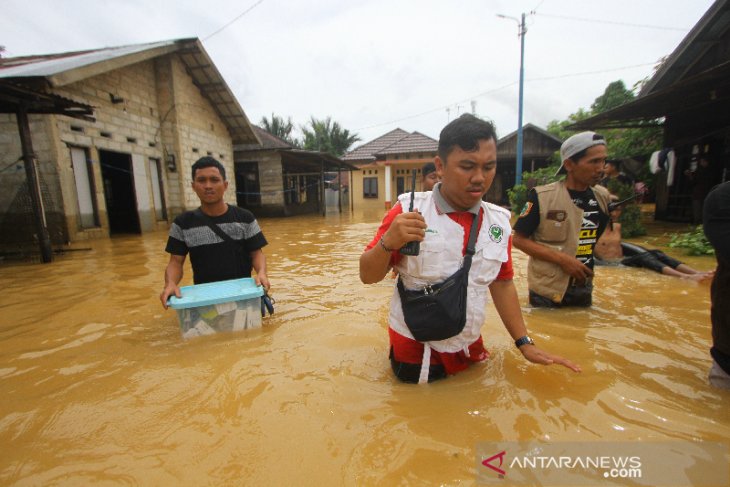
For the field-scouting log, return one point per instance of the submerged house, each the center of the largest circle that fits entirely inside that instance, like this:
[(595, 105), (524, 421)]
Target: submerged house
[(386, 167), (538, 146), (274, 178), (157, 108), (689, 96)]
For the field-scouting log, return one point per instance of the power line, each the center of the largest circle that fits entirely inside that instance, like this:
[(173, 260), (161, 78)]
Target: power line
[(534, 10), (603, 21), (483, 93), (585, 73), (235, 19)]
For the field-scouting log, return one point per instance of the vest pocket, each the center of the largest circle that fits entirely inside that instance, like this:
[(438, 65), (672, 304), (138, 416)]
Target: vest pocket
[(553, 231), (487, 262), (430, 257)]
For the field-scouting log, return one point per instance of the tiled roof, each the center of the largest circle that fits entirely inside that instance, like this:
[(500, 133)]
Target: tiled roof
[(268, 141), (367, 151), (415, 142)]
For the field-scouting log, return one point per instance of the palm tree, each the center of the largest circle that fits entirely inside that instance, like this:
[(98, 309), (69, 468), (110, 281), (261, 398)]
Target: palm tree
[(327, 136), (280, 128)]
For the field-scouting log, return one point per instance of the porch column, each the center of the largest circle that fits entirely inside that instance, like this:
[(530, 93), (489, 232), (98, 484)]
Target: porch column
[(388, 202), (31, 174)]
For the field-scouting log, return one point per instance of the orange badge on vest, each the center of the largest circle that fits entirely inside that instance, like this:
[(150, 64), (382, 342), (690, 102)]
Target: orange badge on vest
[(526, 209)]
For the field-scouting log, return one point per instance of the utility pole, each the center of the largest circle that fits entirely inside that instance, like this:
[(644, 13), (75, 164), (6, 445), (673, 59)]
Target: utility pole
[(522, 30)]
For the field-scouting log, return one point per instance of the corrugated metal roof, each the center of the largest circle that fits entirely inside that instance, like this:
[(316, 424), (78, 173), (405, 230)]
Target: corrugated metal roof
[(367, 151), (50, 65), (701, 49), (65, 68), (530, 126)]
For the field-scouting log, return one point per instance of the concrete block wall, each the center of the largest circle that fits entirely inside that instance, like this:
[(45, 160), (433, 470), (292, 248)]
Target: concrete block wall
[(17, 225), (199, 132), (129, 124), (148, 110)]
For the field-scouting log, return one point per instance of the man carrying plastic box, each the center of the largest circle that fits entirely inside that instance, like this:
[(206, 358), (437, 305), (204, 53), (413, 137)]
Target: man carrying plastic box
[(224, 241)]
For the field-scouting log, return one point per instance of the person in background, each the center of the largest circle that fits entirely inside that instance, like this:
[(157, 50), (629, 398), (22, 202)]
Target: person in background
[(612, 170), (610, 250), (213, 257), (561, 223), (441, 221), (701, 180), (429, 176), (716, 224)]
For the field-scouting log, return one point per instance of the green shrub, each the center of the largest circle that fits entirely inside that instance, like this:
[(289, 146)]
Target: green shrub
[(694, 241), (630, 220), (518, 193)]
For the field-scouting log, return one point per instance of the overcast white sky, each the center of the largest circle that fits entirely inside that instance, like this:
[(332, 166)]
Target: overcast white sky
[(374, 65)]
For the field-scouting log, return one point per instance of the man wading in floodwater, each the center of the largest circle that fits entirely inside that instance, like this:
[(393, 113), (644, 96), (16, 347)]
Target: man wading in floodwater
[(213, 257), (441, 221)]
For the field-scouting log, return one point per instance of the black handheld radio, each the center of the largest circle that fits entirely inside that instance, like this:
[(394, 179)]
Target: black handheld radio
[(414, 247)]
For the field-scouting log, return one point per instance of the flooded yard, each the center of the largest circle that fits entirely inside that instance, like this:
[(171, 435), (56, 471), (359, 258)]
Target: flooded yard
[(98, 387)]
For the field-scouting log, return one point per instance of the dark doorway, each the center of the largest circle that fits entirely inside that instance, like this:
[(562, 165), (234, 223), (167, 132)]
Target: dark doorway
[(119, 194), (400, 185), (248, 190)]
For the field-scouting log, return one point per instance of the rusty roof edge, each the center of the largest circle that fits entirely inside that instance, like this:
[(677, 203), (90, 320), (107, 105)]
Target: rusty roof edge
[(232, 100), (675, 55)]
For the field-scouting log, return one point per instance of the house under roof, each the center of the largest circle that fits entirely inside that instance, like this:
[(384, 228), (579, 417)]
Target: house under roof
[(367, 151), (61, 69), (397, 141)]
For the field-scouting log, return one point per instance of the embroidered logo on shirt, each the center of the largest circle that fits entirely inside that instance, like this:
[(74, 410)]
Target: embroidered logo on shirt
[(495, 233)]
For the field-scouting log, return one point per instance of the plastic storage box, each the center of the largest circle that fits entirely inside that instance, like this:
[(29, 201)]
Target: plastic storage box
[(214, 307)]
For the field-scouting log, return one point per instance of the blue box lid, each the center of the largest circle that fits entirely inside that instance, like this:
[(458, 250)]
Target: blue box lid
[(216, 293)]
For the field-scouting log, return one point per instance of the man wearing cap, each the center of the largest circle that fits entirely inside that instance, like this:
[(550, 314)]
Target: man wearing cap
[(561, 223)]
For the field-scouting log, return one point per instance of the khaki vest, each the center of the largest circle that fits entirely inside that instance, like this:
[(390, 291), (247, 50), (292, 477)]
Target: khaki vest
[(560, 223)]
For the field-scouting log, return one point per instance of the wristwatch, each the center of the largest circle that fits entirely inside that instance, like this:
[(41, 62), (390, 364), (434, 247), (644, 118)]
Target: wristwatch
[(525, 340)]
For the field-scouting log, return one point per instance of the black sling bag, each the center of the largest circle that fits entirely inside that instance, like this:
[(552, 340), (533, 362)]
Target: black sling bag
[(267, 302), (237, 246), (438, 311)]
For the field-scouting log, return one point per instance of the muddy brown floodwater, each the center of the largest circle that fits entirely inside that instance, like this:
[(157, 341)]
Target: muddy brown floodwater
[(98, 387)]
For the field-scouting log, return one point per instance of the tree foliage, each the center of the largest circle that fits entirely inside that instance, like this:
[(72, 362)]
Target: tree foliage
[(518, 193), (630, 220), (281, 128), (327, 136), (622, 143)]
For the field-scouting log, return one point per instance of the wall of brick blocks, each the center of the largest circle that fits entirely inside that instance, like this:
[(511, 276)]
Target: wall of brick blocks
[(199, 132), (150, 110), (17, 226)]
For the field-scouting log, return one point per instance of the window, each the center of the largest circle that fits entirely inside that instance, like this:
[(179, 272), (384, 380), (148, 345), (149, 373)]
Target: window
[(88, 215), (157, 190), (370, 187)]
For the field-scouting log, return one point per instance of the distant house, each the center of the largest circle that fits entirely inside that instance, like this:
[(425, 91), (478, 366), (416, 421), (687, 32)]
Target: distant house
[(158, 107), (386, 164), (386, 167), (538, 146), (689, 96), (274, 178)]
